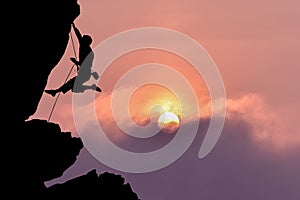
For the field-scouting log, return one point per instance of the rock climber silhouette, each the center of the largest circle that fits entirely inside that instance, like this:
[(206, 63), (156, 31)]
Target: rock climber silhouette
[(84, 68)]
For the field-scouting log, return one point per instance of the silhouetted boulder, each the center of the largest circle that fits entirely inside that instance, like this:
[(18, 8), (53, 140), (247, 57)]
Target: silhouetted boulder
[(49, 150), (41, 153), (91, 186)]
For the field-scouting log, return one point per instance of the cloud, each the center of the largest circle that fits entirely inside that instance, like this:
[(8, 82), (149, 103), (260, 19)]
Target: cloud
[(268, 127), (268, 124)]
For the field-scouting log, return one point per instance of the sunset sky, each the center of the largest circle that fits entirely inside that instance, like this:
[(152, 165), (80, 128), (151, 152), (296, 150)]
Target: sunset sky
[(255, 45)]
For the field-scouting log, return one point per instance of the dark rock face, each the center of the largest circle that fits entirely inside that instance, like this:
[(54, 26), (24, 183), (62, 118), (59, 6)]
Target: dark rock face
[(36, 151), (42, 40)]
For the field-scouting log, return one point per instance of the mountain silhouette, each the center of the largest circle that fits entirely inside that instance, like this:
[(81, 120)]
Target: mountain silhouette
[(35, 151), (104, 186)]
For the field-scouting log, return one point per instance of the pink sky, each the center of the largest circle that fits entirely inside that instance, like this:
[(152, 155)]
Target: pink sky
[(254, 43)]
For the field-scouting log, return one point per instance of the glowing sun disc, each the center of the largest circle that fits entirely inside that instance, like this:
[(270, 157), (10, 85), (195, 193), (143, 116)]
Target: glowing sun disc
[(168, 122)]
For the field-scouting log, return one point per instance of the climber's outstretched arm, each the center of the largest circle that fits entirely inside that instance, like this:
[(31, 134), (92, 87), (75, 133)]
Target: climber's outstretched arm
[(77, 32)]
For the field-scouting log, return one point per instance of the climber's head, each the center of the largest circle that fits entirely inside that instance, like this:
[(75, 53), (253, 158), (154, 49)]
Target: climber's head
[(87, 39)]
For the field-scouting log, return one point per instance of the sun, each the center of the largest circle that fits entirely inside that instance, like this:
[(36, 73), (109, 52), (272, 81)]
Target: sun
[(168, 122), (150, 102)]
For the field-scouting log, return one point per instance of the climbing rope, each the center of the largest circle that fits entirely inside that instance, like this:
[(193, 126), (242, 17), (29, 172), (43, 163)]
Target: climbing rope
[(54, 104)]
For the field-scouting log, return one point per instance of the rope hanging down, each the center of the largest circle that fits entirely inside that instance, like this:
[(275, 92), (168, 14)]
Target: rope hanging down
[(65, 79)]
